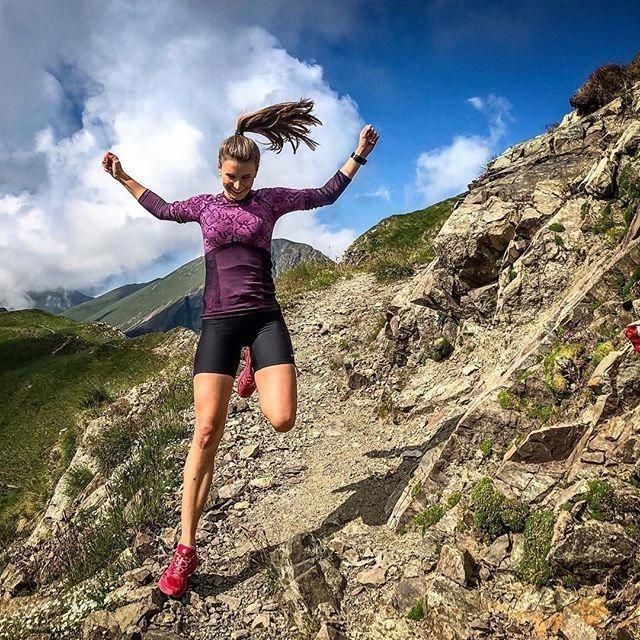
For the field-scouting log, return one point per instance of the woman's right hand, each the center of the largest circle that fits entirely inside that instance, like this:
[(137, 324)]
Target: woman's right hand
[(111, 164)]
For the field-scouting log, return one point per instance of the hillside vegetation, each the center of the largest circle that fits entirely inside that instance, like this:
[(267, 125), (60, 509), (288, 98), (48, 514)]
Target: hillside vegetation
[(56, 373), (391, 250)]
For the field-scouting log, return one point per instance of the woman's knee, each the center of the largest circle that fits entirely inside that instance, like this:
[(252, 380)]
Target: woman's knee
[(207, 434), (283, 423)]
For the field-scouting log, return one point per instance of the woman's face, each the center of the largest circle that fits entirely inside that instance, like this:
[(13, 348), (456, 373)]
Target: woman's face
[(237, 178)]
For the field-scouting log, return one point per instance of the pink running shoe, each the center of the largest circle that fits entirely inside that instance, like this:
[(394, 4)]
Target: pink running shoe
[(246, 382), (174, 580), (631, 331)]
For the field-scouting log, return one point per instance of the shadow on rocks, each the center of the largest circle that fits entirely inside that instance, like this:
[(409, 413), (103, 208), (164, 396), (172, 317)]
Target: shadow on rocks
[(370, 500)]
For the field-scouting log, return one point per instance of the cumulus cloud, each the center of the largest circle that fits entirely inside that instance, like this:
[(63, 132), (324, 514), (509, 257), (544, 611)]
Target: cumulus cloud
[(160, 85), (446, 171)]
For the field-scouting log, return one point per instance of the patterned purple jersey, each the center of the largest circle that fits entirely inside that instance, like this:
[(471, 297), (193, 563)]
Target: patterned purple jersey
[(237, 239)]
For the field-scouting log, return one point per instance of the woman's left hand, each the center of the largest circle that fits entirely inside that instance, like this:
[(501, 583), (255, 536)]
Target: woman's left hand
[(368, 139)]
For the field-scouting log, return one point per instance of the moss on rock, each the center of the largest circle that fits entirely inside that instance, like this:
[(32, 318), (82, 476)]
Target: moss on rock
[(538, 532)]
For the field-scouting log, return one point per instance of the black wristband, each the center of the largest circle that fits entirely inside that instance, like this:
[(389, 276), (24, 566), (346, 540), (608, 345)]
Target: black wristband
[(358, 159)]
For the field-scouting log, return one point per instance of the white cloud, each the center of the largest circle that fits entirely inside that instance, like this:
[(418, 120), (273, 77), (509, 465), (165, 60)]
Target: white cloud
[(447, 170), (161, 87), (380, 192)]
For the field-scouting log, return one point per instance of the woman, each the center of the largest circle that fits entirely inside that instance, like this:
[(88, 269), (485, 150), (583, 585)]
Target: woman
[(239, 303)]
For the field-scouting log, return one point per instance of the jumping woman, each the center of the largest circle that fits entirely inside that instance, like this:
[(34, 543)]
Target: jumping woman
[(240, 308)]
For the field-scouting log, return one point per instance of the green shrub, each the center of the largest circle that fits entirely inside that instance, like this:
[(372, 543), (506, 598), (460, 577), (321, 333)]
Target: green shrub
[(485, 446), (556, 226), (453, 500), (604, 221), (494, 513), (95, 395), (599, 499), (68, 445), (406, 239), (507, 401), (112, 445), (439, 350), (629, 183), (430, 516), (627, 286), (601, 350), (417, 611), (309, 276), (569, 582), (524, 374), (514, 515), (538, 532), (629, 213), (632, 531), (539, 412), (136, 494), (558, 240), (433, 514), (552, 373), (386, 270)]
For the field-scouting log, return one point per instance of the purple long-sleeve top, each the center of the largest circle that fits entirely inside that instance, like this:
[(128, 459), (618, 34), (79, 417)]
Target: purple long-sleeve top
[(237, 239)]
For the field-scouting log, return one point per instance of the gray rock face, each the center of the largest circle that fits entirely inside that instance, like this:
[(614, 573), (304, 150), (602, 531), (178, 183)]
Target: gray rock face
[(548, 444), (449, 609), (456, 564), (591, 550), (527, 263), (473, 239), (628, 382), (310, 576), (407, 592), (101, 625), (575, 628)]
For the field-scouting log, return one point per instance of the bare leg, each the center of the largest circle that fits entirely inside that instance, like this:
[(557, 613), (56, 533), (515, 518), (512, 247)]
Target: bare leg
[(278, 392), (212, 392)]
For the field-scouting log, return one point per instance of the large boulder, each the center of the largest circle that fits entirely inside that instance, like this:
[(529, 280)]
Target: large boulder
[(592, 549), (474, 238)]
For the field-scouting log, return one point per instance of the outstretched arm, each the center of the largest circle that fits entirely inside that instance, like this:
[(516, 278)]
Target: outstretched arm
[(179, 211), (284, 200), (366, 143)]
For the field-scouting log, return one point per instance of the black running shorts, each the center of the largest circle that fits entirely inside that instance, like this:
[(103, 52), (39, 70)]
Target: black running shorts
[(221, 341)]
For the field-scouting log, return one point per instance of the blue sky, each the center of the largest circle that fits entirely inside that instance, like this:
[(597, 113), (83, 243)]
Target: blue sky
[(446, 83), (412, 69)]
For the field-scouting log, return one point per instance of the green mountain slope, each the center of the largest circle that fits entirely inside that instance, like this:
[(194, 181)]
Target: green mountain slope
[(92, 309), (143, 304), (52, 369), (404, 237)]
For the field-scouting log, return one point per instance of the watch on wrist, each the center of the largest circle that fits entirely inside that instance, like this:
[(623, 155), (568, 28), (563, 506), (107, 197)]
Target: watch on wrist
[(359, 159)]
